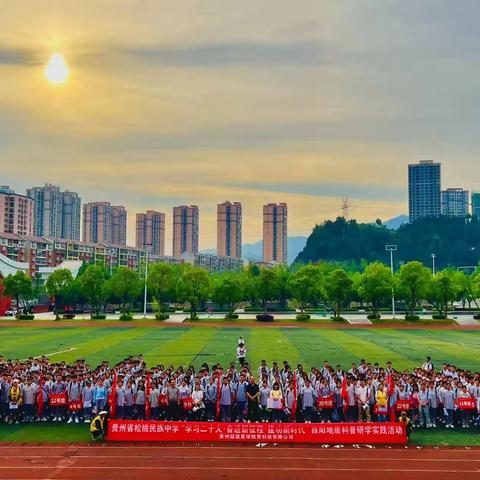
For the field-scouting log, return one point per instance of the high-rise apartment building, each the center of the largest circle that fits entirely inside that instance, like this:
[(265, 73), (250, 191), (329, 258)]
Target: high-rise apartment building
[(275, 233), (185, 229), (455, 202), (229, 229), (16, 212), (150, 232), (47, 201), (119, 225), (104, 223), (71, 210), (476, 204), (424, 186), (56, 213)]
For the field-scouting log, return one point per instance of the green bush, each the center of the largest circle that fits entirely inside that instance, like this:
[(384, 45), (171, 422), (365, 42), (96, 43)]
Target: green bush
[(412, 318), (192, 318), (126, 317), (231, 316), (265, 317), (477, 316), (436, 316), (25, 316), (99, 316), (339, 319), (374, 316), (68, 316), (303, 316), (162, 316)]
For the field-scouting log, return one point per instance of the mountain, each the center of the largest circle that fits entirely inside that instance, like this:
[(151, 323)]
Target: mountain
[(396, 222), (254, 251)]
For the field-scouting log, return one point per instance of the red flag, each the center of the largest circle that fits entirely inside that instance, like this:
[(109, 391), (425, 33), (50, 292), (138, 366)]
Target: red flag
[(391, 385), (113, 396), (40, 397), (295, 397), (147, 397), (219, 391), (344, 394)]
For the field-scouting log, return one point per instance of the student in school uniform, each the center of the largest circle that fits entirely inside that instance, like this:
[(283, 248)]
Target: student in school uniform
[(29, 391), (307, 395), (433, 404), (129, 401), (241, 398), (87, 401), (153, 397), (120, 400), (448, 400), (184, 391), (99, 396), (139, 409), (381, 398), (264, 394), (464, 414), (210, 399), (74, 394), (226, 400), (424, 407)]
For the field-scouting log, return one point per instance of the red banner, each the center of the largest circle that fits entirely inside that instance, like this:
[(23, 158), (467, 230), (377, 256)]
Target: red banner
[(402, 406), (466, 403), (325, 402), (331, 433), (57, 399), (75, 406)]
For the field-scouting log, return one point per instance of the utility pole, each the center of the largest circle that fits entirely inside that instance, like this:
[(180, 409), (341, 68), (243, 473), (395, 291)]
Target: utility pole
[(433, 263), (145, 289)]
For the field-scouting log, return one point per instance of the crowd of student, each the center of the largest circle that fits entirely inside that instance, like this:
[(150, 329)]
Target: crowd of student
[(40, 390)]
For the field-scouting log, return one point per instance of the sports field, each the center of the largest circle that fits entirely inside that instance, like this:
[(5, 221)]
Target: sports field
[(195, 345)]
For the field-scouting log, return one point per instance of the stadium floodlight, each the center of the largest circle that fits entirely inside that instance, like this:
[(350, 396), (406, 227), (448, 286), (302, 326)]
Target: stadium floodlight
[(392, 248)]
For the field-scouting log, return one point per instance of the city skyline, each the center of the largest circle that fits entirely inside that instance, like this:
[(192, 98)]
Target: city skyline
[(278, 102)]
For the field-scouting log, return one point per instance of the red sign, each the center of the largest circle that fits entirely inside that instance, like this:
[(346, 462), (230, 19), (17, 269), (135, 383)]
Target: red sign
[(163, 400), (380, 433), (402, 406), (75, 406), (325, 402), (466, 403), (380, 410), (57, 399), (187, 403)]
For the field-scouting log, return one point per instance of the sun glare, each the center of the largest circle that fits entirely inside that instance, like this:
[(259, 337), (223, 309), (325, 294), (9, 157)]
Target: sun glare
[(56, 71)]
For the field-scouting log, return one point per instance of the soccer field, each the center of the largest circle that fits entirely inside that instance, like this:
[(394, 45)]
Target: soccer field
[(406, 348)]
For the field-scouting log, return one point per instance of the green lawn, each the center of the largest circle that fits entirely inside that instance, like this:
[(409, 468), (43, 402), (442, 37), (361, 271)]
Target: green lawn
[(195, 345)]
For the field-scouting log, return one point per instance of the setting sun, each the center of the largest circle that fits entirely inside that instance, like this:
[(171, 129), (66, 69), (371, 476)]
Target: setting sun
[(56, 71)]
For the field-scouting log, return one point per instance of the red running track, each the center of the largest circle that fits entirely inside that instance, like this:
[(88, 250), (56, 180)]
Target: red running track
[(235, 462)]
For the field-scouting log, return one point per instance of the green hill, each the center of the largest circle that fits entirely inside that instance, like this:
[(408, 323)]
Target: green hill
[(454, 241)]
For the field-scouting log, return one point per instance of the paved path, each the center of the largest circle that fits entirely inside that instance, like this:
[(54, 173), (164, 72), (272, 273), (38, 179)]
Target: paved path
[(465, 320)]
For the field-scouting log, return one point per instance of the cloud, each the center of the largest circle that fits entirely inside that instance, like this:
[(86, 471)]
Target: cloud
[(17, 56)]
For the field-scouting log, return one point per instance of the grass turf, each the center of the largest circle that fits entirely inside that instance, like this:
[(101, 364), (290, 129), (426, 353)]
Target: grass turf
[(190, 345)]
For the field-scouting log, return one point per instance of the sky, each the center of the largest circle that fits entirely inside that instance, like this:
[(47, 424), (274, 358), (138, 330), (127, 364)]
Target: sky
[(197, 102)]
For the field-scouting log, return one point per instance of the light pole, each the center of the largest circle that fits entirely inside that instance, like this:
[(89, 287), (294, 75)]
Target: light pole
[(145, 289), (391, 249), (433, 263)]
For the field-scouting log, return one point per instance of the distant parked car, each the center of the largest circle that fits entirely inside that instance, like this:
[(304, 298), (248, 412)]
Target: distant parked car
[(10, 313)]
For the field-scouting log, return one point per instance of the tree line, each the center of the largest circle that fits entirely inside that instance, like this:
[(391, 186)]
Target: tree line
[(325, 286)]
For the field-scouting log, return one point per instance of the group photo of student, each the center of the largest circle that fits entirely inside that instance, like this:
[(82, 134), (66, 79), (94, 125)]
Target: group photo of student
[(38, 390)]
